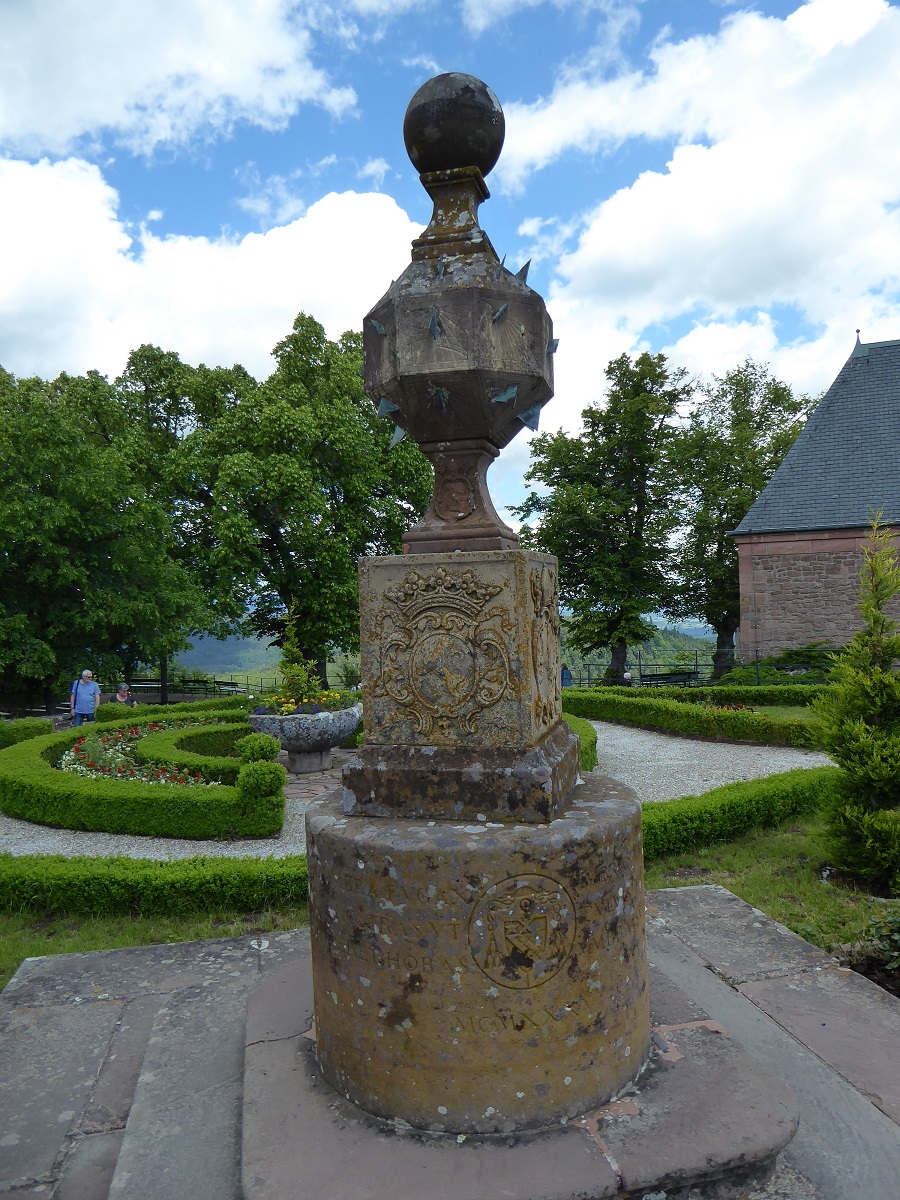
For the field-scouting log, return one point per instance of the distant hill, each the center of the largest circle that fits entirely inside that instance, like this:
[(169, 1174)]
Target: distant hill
[(230, 656), (668, 648)]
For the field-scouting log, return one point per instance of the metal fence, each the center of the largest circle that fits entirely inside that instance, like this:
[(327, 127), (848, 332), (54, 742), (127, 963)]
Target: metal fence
[(648, 667), (643, 666)]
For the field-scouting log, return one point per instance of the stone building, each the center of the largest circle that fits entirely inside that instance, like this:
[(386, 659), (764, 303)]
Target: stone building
[(799, 545)]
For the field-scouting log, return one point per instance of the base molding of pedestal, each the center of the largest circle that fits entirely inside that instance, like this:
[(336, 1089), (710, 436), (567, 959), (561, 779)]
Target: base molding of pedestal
[(704, 1122)]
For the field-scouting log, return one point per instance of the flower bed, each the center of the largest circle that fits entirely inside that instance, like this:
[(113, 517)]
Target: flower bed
[(207, 751), (33, 789), (114, 754)]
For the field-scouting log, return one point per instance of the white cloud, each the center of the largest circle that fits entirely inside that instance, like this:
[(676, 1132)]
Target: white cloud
[(80, 290), (154, 72), (618, 15), (704, 87), (374, 171), (423, 62), (275, 200), (775, 226)]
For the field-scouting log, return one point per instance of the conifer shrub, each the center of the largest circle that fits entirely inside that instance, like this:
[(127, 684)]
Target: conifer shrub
[(860, 714)]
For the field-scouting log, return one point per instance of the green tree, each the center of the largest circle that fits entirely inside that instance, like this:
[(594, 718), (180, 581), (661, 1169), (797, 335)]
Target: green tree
[(860, 714), (87, 575), (738, 432), (609, 510), (287, 483)]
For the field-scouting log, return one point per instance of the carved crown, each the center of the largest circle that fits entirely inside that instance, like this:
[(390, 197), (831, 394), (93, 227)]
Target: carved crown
[(458, 591)]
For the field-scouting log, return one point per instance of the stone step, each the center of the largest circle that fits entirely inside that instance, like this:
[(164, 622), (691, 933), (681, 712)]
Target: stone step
[(121, 1070), (183, 1132)]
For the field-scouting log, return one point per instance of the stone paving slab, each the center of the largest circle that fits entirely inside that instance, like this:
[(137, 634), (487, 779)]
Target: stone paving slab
[(122, 974), (88, 1170), (703, 1115), (54, 1055), (848, 1021), (738, 941)]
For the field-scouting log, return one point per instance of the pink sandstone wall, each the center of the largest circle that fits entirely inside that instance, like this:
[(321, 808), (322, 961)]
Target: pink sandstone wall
[(798, 588)]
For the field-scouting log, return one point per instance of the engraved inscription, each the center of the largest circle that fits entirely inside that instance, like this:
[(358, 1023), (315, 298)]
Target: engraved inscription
[(522, 930), (444, 656)]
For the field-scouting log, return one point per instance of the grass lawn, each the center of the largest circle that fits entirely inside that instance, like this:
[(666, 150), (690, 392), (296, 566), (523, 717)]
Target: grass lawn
[(786, 712), (777, 871), (24, 936)]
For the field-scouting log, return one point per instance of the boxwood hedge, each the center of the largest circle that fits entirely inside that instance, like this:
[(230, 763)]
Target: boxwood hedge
[(106, 886), (32, 789), (796, 694), (48, 884), (588, 735), (112, 713), (646, 709), (728, 812), (23, 730)]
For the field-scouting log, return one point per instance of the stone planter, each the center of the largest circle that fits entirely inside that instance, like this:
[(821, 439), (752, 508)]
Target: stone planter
[(309, 737)]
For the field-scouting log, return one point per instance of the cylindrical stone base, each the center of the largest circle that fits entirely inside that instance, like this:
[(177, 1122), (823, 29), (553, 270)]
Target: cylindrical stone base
[(301, 762), (480, 978)]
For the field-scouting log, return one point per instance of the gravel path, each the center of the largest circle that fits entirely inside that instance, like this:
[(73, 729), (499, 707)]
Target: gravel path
[(660, 767), (656, 766)]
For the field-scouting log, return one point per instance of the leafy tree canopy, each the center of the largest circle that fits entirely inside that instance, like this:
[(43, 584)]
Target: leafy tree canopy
[(740, 428), (608, 512), (290, 483), (87, 575)]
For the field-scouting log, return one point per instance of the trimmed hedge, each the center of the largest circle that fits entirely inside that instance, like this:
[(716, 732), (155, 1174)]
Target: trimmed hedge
[(728, 812), (588, 735), (33, 790), (13, 732), (117, 714), (644, 709), (48, 884), (45, 885), (206, 750), (791, 694)]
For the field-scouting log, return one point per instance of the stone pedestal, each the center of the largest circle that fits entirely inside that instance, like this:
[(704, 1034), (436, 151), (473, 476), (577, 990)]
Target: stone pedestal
[(476, 911), (480, 977)]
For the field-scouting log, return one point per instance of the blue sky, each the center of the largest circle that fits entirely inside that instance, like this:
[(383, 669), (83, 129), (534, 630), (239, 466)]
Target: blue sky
[(705, 178)]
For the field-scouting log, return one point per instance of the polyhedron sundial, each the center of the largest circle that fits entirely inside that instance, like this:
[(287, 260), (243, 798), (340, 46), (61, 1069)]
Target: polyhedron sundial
[(459, 351)]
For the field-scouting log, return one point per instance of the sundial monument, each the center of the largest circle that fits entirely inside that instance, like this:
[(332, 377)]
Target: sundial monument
[(476, 909)]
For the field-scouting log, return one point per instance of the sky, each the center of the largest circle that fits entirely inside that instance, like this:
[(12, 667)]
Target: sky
[(705, 178)]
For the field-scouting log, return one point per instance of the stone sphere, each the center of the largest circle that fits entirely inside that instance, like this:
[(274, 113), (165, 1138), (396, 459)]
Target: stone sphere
[(454, 120)]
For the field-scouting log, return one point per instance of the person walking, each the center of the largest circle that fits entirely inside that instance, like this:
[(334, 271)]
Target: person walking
[(123, 696), (84, 698)]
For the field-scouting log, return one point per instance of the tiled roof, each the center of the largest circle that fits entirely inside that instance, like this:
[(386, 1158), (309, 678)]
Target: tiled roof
[(846, 460)]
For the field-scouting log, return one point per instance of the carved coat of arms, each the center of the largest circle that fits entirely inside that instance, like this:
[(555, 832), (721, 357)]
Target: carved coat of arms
[(522, 930), (444, 657)]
